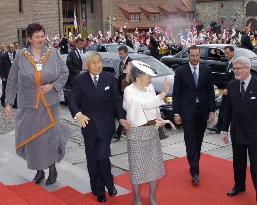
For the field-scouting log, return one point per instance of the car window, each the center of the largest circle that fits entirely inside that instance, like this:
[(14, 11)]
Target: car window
[(92, 48), (185, 54), (114, 48), (215, 54), (158, 66)]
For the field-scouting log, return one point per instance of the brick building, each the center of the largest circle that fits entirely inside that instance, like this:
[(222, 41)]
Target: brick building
[(15, 15), (238, 13)]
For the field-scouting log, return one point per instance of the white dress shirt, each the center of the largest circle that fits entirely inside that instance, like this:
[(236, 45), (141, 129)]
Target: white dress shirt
[(141, 106), (247, 81)]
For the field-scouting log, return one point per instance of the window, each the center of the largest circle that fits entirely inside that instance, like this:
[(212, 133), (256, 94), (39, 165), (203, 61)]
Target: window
[(154, 17), (20, 6), (216, 53), (92, 6), (134, 17)]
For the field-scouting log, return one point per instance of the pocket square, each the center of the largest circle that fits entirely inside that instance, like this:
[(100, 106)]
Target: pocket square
[(253, 98), (107, 88)]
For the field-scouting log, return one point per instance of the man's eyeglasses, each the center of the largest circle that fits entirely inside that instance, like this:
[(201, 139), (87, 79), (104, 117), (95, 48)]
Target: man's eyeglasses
[(238, 68)]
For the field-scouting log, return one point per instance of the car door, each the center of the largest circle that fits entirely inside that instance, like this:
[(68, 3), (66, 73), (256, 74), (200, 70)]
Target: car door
[(217, 61)]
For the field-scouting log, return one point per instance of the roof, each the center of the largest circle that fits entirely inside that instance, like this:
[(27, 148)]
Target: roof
[(149, 9), (176, 6), (130, 9)]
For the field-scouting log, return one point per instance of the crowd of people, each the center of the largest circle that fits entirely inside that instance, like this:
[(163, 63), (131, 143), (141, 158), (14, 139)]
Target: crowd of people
[(36, 75)]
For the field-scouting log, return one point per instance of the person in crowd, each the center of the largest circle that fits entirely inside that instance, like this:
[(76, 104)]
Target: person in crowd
[(144, 149), (5, 66), (241, 116), (229, 75), (95, 102), (17, 47), (37, 76), (125, 59), (245, 39), (74, 60), (64, 45), (193, 104)]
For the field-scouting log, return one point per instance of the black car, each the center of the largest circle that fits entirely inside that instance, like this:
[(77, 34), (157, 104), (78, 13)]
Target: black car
[(107, 47), (111, 63), (212, 55)]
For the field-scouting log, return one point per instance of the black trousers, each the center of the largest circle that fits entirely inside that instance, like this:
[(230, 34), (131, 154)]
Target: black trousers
[(240, 164), (98, 164), (193, 136), (221, 113), (3, 93)]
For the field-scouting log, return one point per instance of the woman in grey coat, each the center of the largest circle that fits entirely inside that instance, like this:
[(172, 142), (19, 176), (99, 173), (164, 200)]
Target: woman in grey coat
[(37, 76)]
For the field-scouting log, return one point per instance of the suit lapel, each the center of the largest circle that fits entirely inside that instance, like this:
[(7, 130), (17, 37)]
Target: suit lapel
[(249, 89), (200, 76)]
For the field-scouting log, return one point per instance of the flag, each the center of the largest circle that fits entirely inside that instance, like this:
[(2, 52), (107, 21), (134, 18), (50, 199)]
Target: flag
[(75, 20)]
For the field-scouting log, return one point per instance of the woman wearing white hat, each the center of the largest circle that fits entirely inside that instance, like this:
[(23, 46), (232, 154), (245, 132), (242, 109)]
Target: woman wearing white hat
[(144, 149)]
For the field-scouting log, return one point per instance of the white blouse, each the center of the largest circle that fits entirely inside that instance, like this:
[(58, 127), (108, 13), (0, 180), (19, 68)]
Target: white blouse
[(141, 106)]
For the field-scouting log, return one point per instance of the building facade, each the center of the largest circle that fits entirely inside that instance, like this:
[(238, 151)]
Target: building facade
[(15, 15), (228, 13)]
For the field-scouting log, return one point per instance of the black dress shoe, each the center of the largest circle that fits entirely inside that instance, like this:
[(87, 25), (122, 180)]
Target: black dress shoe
[(52, 175), (235, 191), (39, 177), (113, 191), (213, 128), (195, 180), (101, 198)]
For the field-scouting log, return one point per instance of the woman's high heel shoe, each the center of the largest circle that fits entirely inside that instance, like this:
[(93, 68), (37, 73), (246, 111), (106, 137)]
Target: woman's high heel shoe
[(39, 176), (52, 175)]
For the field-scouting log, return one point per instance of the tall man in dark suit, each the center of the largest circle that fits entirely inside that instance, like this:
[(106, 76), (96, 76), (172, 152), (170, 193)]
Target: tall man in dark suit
[(74, 60), (95, 103), (6, 63), (229, 75), (241, 116), (193, 104), (125, 59), (245, 39)]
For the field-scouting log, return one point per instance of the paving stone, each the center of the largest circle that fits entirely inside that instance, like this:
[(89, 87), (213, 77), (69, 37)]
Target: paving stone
[(214, 139), (119, 147), (75, 155), (222, 152), (172, 139), (179, 149)]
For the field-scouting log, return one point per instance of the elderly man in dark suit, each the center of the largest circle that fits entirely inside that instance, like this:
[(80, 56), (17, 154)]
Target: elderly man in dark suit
[(74, 60), (193, 104), (5, 66), (95, 103), (241, 116)]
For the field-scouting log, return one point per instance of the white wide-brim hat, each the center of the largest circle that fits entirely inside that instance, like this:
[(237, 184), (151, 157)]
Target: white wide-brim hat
[(144, 68)]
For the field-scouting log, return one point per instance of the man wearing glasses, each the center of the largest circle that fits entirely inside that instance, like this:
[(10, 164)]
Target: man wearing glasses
[(241, 116)]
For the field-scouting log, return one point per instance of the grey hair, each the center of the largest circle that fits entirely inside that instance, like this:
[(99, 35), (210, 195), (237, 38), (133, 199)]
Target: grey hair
[(135, 72), (88, 56), (244, 61)]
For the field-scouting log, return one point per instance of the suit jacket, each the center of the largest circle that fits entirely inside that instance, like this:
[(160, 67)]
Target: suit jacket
[(74, 63), (101, 104), (241, 114), (246, 42), (121, 74), (229, 74), (5, 65), (185, 92)]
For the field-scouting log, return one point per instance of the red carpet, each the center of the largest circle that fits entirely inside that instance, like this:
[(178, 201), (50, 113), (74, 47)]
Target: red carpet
[(216, 178)]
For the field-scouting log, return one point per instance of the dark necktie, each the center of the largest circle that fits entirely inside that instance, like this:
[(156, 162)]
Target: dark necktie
[(242, 89), (95, 81), (195, 76)]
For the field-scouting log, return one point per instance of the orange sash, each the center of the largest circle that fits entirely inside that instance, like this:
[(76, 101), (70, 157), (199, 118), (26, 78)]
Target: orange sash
[(39, 96)]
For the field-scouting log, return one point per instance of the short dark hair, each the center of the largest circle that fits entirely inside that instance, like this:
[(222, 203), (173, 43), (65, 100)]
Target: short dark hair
[(79, 40), (15, 42), (231, 48), (123, 48), (33, 28), (193, 47)]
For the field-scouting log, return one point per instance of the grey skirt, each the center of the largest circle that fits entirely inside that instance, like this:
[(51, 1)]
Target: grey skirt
[(49, 147), (144, 155)]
